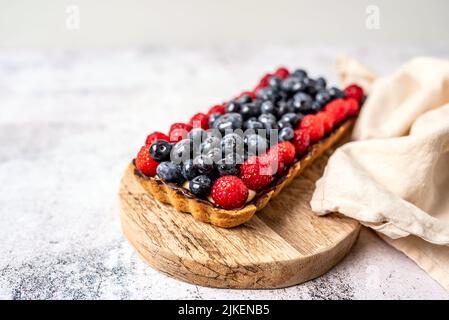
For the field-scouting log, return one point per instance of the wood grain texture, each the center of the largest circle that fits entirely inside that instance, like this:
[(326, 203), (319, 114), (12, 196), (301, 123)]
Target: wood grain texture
[(282, 245)]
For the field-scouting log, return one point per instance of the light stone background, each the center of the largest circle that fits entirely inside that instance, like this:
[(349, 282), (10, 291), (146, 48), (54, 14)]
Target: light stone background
[(70, 121)]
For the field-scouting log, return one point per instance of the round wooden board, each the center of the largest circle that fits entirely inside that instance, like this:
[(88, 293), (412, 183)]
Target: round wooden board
[(282, 245)]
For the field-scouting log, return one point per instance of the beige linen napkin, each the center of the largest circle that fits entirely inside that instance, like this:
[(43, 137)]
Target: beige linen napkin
[(395, 177)]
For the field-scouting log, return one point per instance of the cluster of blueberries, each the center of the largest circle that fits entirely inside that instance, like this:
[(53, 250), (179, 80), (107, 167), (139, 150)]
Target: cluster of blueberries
[(251, 124)]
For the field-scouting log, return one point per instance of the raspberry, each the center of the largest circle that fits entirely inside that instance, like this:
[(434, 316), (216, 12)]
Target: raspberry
[(337, 108), (327, 119), (220, 108), (229, 192), (255, 173), (264, 81), (178, 131), (200, 120), (314, 126), (354, 91), (144, 162), (155, 136), (274, 162), (282, 73), (286, 152), (301, 141), (352, 107)]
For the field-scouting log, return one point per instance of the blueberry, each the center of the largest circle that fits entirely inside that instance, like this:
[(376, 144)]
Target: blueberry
[(287, 84), (336, 93), (286, 134), (200, 186), (197, 135), (170, 172), (160, 150), (229, 121), (215, 154), (310, 86), (275, 82), (267, 107), (283, 108), (214, 116), (188, 170), (302, 102), (210, 143), (323, 97), (270, 125), (228, 167), (320, 83), (203, 164), (244, 99), (255, 144), (300, 74), (249, 110), (253, 124), (232, 143), (182, 151), (233, 106), (266, 94), (291, 117), (266, 117), (316, 107), (284, 124)]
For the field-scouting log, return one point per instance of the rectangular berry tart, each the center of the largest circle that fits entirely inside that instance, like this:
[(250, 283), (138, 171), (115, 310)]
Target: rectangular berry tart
[(224, 165)]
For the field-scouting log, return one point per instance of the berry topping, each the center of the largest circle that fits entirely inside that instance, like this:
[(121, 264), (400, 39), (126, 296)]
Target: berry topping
[(286, 134), (354, 91), (200, 120), (229, 121), (219, 108), (229, 192), (327, 120), (156, 136), (301, 141), (160, 150), (264, 81), (144, 163), (200, 186), (352, 107), (274, 162), (286, 152), (179, 131), (227, 167), (314, 126), (203, 164), (255, 173), (188, 170), (282, 73), (170, 172), (337, 108)]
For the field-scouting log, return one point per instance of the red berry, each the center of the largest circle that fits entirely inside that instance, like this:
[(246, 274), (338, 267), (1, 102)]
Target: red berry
[(200, 120), (327, 119), (301, 141), (282, 73), (249, 93), (156, 136), (286, 152), (274, 162), (338, 109), (144, 162), (179, 131), (219, 108), (255, 173), (354, 91), (352, 107), (314, 126), (264, 81), (229, 192)]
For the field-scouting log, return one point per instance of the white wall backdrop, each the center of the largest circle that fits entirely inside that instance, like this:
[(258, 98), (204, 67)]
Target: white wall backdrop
[(119, 23)]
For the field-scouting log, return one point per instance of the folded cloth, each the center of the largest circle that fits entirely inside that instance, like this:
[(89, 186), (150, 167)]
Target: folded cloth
[(394, 178)]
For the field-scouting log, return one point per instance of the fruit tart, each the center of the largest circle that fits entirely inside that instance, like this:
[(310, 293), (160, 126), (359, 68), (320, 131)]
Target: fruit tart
[(224, 165)]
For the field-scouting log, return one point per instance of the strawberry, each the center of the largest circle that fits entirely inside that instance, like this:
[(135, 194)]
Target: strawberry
[(178, 131), (352, 107), (200, 120), (144, 162), (354, 91), (282, 73), (229, 192), (255, 173), (286, 152), (156, 136), (314, 126), (301, 141), (327, 119), (219, 108), (338, 109)]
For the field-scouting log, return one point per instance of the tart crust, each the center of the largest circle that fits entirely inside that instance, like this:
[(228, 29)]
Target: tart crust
[(202, 210)]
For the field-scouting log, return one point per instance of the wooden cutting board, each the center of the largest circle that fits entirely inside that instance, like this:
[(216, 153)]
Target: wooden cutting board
[(282, 245)]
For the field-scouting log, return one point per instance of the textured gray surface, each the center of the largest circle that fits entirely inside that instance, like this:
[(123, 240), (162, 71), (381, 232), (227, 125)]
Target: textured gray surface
[(69, 124)]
